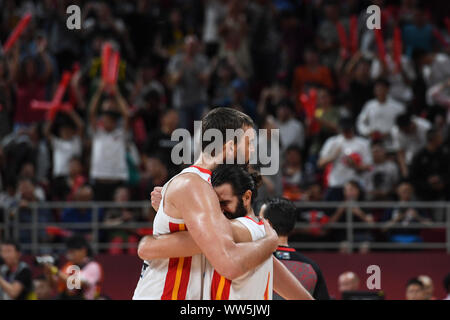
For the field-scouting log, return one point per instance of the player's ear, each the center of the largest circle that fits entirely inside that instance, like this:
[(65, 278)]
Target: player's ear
[(229, 152), (247, 197)]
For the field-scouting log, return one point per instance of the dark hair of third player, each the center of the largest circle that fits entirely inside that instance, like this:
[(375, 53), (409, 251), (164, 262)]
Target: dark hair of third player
[(281, 213)]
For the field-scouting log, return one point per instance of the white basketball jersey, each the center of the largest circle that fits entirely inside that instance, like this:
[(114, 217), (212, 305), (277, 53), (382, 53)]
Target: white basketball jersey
[(174, 278), (256, 284)]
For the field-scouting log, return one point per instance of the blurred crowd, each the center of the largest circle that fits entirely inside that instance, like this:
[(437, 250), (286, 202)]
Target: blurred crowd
[(421, 287), (353, 126)]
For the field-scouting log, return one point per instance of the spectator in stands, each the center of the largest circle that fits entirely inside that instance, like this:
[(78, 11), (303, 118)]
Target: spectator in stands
[(311, 74), (239, 98), (156, 173), (234, 39), (30, 74), (414, 290), (429, 170), (271, 96), (317, 218), (326, 119), (15, 275), (446, 283), (82, 214), (348, 281), (222, 76), (118, 217), (348, 155), (400, 79), (65, 145), (160, 140), (79, 254), (43, 288), (404, 215), (108, 156), (378, 115), (352, 193), (409, 135), (428, 287), (291, 130), (293, 175), (419, 34), (147, 116), (327, 34), (188, 78), (75, 180), (280, 213), (382, 177), (360, 84), (27, 193)]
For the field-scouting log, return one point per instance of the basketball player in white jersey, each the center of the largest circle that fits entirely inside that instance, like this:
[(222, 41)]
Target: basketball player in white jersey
[(190, 203), (236, 189)]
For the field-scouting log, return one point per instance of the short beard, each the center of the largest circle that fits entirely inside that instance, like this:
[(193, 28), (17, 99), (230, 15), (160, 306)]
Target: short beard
[(240, 210)]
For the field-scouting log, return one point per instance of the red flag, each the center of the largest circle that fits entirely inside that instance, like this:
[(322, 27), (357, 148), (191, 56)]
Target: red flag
[(113, 67), (397, 48), (342, 39), (106, 56), (380, 45), (18, 30)]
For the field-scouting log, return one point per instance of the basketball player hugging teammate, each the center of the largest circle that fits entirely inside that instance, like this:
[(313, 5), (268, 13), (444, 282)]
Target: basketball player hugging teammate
[(196, 252)]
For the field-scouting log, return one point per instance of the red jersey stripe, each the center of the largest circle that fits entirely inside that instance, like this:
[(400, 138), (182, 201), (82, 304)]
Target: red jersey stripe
[(178, 272), (257, 222), (266, 293), (285, 249), (185, 278), (226, 290), (203, 170)]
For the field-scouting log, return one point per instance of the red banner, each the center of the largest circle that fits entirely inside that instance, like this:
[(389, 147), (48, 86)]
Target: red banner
[(16, 33)]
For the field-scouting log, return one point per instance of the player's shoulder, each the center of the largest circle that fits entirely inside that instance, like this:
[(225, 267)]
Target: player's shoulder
[(241, 233), (187, 179)]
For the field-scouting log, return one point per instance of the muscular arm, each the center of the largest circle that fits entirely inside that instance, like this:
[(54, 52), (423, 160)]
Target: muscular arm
[(286, 284), (200, 209), (181, 244)]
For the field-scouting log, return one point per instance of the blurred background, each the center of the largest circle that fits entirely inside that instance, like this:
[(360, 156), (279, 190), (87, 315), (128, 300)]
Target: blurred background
[(363, 116)]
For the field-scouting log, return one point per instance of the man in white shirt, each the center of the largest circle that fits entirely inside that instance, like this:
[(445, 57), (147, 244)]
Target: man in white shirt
[(108, 156), (291, 130), (349, 156), (378, 115), (408, 136)]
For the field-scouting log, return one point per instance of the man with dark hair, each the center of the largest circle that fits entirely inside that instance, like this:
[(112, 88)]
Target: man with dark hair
[(415, 290), (189, 202), (281, 214), (409, 135), (430, 171), (378, 115), (79, 255), (15, 275)]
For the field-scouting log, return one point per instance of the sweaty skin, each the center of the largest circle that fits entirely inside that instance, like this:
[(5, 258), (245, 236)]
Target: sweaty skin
[(181, 244), (191, 198)]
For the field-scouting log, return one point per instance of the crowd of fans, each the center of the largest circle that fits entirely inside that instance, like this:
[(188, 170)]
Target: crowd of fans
[(379, 130)]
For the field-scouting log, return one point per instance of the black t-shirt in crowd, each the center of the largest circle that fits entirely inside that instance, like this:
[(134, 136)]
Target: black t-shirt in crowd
[(305, 270), (23, 275)]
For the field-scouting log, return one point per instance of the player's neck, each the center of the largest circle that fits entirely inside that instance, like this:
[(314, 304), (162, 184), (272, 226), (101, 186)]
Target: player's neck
[(283, 241), (206, 163)]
